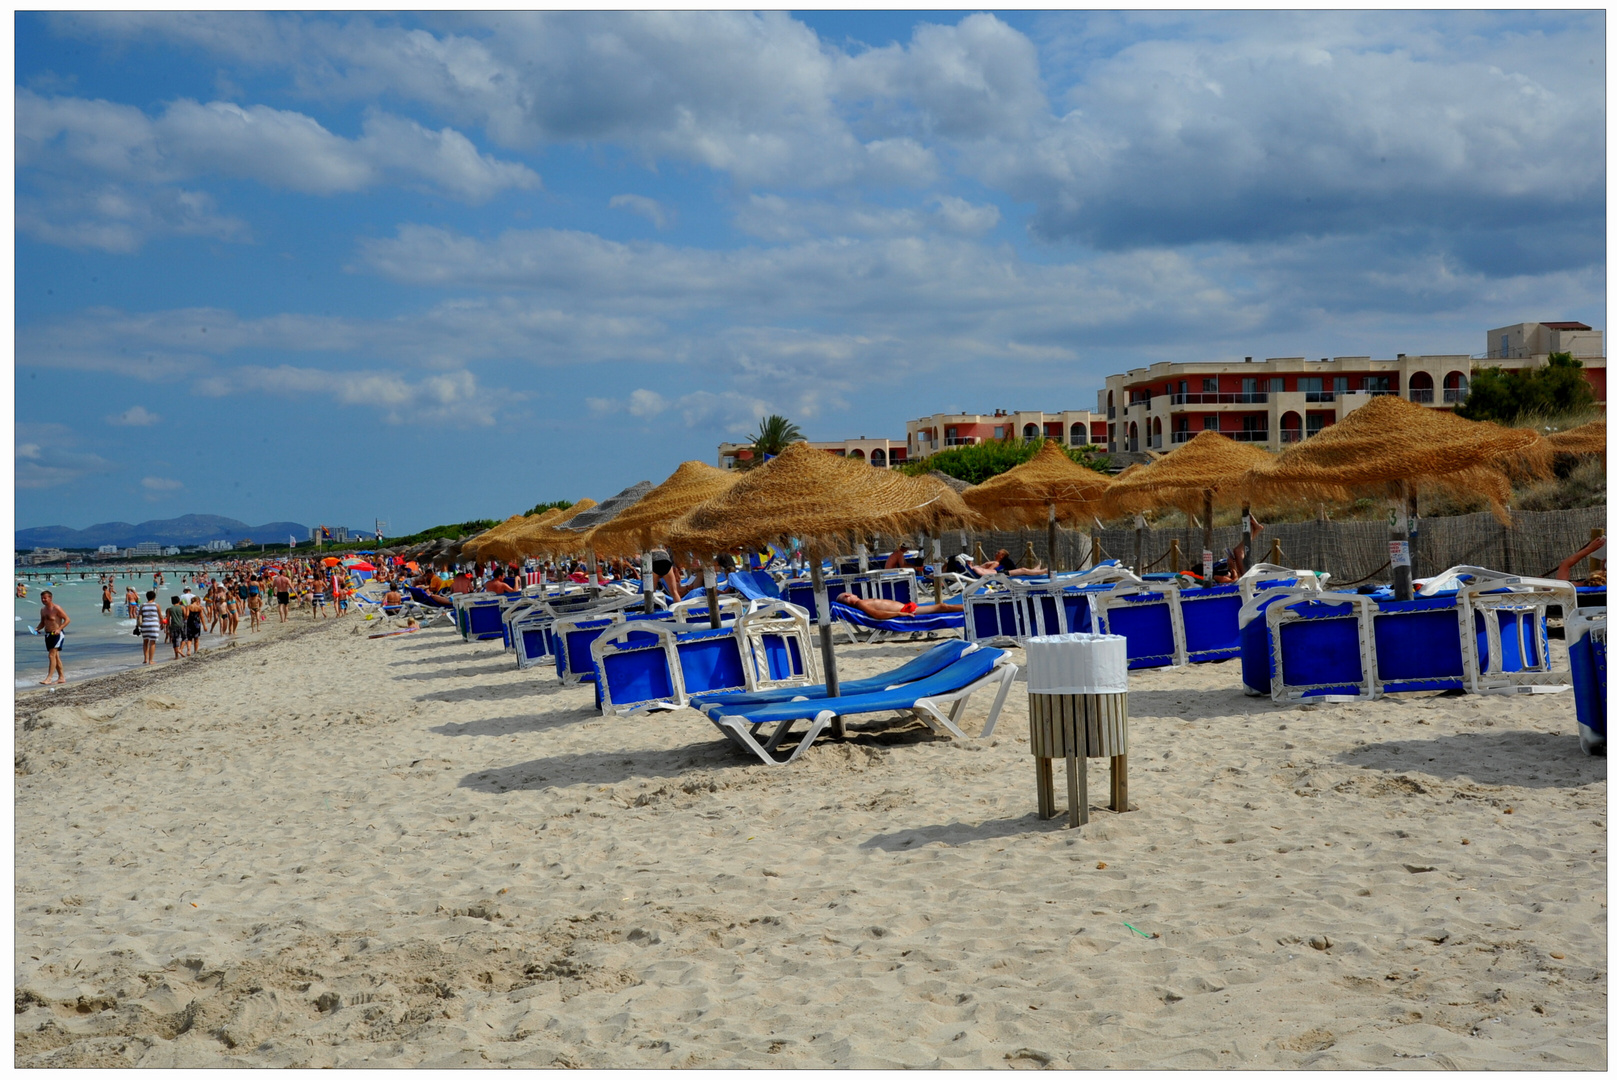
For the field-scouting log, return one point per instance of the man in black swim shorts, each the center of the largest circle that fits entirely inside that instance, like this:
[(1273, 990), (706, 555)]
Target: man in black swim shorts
[(52, 621)]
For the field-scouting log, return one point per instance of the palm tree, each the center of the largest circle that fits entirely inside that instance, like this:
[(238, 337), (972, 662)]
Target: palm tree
[(775, 433)]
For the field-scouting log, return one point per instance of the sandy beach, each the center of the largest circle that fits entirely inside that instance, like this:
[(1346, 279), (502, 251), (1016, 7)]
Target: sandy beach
[(324, 850)]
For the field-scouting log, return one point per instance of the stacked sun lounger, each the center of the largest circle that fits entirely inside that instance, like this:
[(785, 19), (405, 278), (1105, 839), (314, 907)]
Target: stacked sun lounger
[(1469, 629)]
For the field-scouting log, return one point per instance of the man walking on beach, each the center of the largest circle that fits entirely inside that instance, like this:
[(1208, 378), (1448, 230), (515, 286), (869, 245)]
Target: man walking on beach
[(283, 593), (52, 621)]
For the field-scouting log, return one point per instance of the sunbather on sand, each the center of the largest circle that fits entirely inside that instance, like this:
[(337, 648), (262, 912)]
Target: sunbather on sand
[(1229, 570), (889, 609), (1596, 577)]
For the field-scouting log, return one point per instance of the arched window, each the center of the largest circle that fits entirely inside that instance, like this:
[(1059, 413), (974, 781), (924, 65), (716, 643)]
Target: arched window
[(1420, 386), (1030, 431), (1134, 436), (1080, 434), (860, 454), (1156, 433), (1455, 388), (878, 457), (1291, 428)]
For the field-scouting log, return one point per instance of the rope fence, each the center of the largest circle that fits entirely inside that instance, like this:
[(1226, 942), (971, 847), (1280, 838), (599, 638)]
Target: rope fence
[(1350, 551)]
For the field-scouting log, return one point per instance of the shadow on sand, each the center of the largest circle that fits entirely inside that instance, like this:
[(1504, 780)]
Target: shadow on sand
[(565, 770), (1533, 759)]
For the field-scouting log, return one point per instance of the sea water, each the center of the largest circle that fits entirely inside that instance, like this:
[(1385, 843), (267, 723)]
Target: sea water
[(96, 644)]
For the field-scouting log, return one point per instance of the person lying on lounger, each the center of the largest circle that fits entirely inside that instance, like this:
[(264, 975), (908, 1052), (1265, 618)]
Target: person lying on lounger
[(1001, 563), (891, 609), (1593, 547), (1226, 571)]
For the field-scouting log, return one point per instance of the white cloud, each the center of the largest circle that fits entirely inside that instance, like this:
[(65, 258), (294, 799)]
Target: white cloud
[(160, 484), (44, 456), (102, 175), (135, 416), (451, 397), (729, 411), (650, 209), (646, 403)]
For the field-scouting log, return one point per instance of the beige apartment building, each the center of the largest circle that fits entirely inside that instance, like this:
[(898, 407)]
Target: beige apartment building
[(1075, 427), (884, 453), (1282, 400)]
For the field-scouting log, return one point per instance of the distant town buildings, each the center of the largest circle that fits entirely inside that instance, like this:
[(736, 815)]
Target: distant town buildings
[(883, 453), (1075, 427)]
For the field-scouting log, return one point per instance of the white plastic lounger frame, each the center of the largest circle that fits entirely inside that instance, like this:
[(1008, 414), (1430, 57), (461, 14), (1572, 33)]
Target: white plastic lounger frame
[(1103, 602), (1280, 612), (1525, 596), (1261, 572), (614, 638), (1032, 592), (730, 607), (1010, 610), (928, 709), (777, 618)]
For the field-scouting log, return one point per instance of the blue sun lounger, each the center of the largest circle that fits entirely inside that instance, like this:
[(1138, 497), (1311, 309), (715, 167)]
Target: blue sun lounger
[(930, 662), (926, 698), (1586, 646), (648, 664), (936, 622)]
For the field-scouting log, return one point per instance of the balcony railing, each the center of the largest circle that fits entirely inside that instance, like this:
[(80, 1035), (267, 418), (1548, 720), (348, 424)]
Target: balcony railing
[(1183, 436), (1260, 435), (1455, 395), (1420, 397), (964, 440), (1291, 435), (1313, 396), (1111, 412), (1219, 399)]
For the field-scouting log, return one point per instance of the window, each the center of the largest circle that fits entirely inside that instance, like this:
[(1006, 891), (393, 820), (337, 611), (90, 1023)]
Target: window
[(1210, 386), (1079, 434), (1378, 384), (1316, 424), (1311, 385), (1210, 422), (999, 431), (1184, 423), (1340, 384), (1249, 386), (1184, 387), (1277, 385)]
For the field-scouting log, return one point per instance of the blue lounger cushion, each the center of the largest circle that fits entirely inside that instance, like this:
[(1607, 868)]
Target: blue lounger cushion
[(930, 662), (755, 585), (964, 671), (900, 624), (1212, 623)]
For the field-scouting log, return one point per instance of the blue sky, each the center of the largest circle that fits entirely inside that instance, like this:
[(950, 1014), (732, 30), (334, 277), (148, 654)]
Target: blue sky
[(434, 267)]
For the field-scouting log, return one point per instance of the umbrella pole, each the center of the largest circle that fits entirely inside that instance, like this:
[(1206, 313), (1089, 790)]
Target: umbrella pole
[(1139, 543), (1246, 536), (1050, 540), (864, 556), (822, 605), (1414, 532), (937, 566), (648, 583), (1398, 548), (710, 585), (1207, 535)]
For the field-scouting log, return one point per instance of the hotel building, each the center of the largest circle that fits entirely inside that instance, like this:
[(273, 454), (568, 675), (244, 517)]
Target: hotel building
[(1282, 400), (929, 434)]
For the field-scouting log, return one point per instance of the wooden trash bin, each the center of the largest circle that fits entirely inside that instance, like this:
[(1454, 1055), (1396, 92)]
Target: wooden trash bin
[(1078, 709)]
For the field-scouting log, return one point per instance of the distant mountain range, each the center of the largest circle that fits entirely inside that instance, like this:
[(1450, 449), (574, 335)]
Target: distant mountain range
[(187, 531)]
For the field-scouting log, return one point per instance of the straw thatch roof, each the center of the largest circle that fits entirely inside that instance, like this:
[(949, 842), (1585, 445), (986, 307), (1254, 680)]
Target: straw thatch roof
[(1588, 438), (1024, 495), (1388, 441), (544, 534), (1180, 478), (644, 524), (817, 497), (488, 543), (953, 483), (603, 512)]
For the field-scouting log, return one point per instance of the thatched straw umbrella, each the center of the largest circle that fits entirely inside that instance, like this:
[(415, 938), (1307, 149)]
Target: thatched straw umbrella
[(1193, 477), (641, 527), (1046, 488), (1385, 449), (818, 498), (492, 544), (1586, 439), (544, 535), (583, 525)]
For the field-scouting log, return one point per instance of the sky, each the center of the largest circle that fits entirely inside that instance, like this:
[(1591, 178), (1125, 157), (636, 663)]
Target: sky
[(426, 268)]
